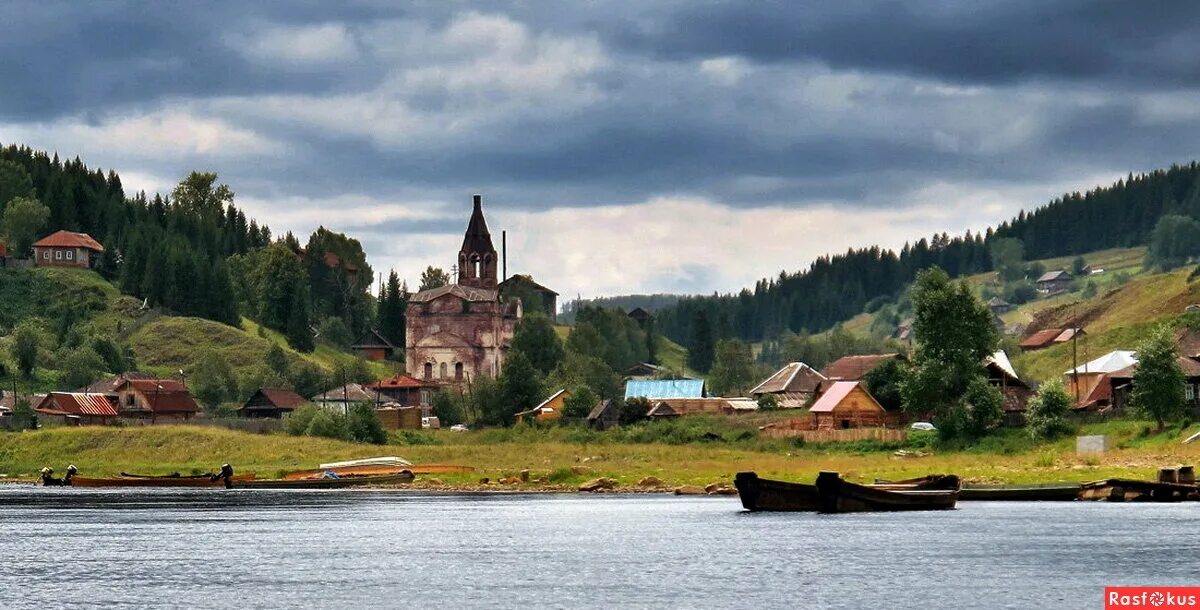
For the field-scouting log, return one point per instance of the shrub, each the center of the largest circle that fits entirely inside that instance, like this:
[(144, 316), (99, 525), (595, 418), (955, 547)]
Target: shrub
[(1046, 418), (82, 366), (447, 409), (296, 423), (580, 403), (363, 425), (768, 402), (327, 424)]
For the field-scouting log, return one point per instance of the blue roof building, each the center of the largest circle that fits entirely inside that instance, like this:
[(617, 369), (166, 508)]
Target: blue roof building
[(656, 389)]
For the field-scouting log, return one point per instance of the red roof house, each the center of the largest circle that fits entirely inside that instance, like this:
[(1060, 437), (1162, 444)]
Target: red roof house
[(155, 400), (854, 368), (406, 390), (78, 407), (66, 249), (272, 402)]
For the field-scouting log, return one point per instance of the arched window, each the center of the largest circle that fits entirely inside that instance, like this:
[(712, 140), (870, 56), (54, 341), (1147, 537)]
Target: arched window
[(475, 266), (429, 370), (442, 371), (458, 370)]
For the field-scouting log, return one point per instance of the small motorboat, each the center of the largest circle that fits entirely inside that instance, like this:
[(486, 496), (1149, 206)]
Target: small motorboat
[(332, 481), (760, 494), (220, 479), (836, 495)]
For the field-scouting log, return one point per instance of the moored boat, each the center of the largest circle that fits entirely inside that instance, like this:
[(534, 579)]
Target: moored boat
[(758, 494), (932, 481), (220, 479), (1051, 492), (1130, 490), (334, 482), (836, 495)]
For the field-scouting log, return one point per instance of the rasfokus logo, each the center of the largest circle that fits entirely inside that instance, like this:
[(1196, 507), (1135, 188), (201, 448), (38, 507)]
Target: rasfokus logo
[(1135, 598)]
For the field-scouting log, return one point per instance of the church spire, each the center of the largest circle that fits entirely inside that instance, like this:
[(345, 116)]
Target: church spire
[(477, 257)]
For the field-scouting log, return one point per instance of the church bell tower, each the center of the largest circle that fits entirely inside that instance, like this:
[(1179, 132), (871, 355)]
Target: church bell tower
[(477, 257)]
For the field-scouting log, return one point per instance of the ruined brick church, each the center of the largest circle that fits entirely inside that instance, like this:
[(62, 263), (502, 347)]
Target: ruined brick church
[(460, 331)]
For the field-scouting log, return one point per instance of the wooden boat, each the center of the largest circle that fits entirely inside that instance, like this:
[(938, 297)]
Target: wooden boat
[(1130, 490), (378, 470), (759, 494), (324, 483), (220, 479), (836, 495), (1049, 492), (933, 481)]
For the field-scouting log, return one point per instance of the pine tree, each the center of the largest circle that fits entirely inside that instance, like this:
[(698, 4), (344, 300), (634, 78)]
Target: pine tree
[(700, 347), (298, 333)]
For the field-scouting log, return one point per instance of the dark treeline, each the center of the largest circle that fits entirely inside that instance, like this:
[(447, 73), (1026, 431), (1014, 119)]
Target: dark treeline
[(628, 302), (835, 288), (193, 252)]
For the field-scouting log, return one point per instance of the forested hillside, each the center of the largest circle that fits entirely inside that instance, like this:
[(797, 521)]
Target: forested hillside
[(836, 287)]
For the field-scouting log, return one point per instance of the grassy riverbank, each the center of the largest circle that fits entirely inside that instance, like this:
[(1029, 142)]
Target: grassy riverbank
[(565, 457)]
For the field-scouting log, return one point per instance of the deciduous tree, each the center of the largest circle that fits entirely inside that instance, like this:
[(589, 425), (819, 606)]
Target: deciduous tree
[(1158, 392)]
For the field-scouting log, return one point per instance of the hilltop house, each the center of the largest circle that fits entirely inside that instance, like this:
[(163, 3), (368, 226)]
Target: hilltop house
[(155, 400), (373, 346), (1049, 337), (847, 404), (1052, 282), (67, 249), (77, 408), (272, 402), (533, 296), (999, 305), (793, 385), (639, 315)]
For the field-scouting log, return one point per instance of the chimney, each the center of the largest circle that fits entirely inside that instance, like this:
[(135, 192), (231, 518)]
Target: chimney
[(478, 202)]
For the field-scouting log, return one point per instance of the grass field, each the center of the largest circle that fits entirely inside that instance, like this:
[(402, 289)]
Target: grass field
[(567, 456)]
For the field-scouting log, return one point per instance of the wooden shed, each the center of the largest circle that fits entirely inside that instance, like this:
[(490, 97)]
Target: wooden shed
[(373, 346), (847, 404), (272, 402), (549, 410), (606, 414)]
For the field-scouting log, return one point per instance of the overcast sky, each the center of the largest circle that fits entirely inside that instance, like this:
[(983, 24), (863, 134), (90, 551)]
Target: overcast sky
[(627, 147)]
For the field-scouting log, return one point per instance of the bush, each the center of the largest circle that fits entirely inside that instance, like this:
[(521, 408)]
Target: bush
[(447, 409), (1046, 418), (296, 423), (327, 424), (634, 410), (580, 403), (333, 330), (768, 402), (363, 425), (82, 366)]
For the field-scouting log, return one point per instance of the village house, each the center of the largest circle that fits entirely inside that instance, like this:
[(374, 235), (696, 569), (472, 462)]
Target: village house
[(533, 296), (1049, 337), (1015, 391), (340, 399), (854, 368), (645, 370), (67, 249), (605, 415), (462, 330), (155, 400), (549, 410), (847, 404), (405, 390), (272, 402), (793, 386), (1085, 379), (641, 316), (373, 346), (999, 306), (1121, 386), (675, 407), (1053, 282), (77, 408), (661, 389)]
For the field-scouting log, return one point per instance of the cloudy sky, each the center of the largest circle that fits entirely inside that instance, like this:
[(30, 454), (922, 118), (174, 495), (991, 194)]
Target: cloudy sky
[(647, 146)]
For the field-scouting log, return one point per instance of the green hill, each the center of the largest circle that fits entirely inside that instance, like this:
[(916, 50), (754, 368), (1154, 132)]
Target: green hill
[(71, 305)]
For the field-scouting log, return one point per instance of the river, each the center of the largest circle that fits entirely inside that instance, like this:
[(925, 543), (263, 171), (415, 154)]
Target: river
[(378, 549)]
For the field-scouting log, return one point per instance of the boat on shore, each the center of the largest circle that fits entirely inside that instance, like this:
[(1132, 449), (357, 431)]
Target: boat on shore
[(326, 482), (837, 495), (758, 494), (1130, 490), (932, 481), (1049, 492), (378, 470)]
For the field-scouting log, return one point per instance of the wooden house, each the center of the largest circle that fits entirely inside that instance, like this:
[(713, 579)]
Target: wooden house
[(406, 390), (534, 296), (155, 400), (854, 368), (606, 415), (272, 402), (77, 408), (1084, 379), (639, 315), (1053, 282), (673, 407), (373, 346), (341, 398), (1015, 391), (999, 305), (645, 370), (67, 249), (793, 386), (549, 410), (847, 404), (1120, 386)]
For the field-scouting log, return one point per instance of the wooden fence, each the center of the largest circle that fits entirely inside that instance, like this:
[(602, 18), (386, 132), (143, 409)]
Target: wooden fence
[(885, 435)]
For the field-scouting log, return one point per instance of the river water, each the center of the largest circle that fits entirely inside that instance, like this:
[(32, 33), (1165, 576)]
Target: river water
[(376, 549)]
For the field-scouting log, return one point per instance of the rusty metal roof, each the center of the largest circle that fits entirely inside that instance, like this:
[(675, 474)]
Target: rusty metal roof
[(849, 368), (68, 239), (467, 293), (793, 377), (78, 403)]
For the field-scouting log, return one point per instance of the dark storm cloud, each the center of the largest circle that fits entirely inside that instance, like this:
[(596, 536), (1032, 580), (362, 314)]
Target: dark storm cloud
[(967, 42)]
